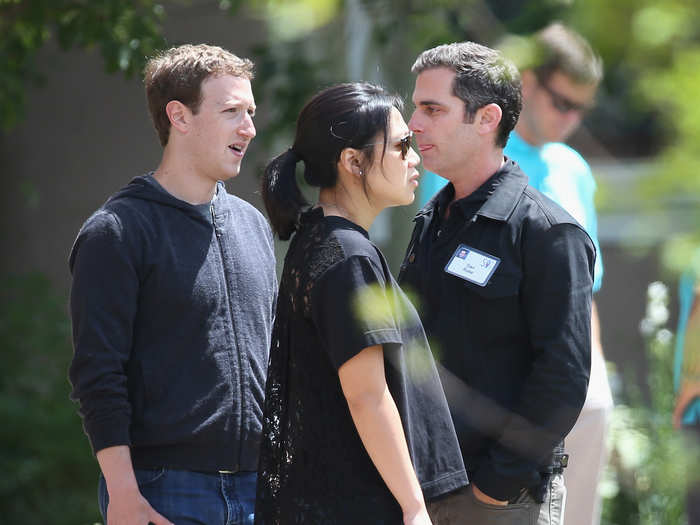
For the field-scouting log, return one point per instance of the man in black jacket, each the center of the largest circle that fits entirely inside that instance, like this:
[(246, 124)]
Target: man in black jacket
[(172, 304), (504, 277)]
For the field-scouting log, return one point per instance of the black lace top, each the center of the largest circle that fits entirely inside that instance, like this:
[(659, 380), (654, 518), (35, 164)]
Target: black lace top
[(336, 298)]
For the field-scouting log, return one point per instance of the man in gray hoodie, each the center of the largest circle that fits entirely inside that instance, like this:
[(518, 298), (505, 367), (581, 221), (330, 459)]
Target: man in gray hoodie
[(172, 304)]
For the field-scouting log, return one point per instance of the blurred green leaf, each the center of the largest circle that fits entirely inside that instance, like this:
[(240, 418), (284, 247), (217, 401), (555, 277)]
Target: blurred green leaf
[(125, 32), (50, 475)]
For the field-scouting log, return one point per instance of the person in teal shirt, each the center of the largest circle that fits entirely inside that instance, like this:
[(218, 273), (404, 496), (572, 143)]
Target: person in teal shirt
[(686, 365), (557, 90), (562, 174), (686, 373)]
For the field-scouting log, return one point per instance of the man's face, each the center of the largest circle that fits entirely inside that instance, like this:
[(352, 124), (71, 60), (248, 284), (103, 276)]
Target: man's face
[(223, 127), (552, 108), (444, 139)]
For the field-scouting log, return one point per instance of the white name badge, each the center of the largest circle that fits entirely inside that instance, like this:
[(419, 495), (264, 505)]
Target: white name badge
[(472, 265)]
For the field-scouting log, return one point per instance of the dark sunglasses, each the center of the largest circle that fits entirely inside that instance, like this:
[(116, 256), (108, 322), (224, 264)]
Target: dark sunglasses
[(405, 144), (561, 103)]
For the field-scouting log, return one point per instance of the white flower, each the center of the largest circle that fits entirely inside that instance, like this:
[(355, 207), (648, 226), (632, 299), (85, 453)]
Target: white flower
[(664, 336), (631, 443), (646, 327), (657, 291), (657, 313)]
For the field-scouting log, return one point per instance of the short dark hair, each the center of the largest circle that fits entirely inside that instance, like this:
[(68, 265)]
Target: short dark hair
[(559, 48), (482, 76), (178, 73), (350, 115)]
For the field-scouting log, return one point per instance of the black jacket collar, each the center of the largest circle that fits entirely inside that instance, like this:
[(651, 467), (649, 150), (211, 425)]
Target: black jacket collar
[(502, 192)]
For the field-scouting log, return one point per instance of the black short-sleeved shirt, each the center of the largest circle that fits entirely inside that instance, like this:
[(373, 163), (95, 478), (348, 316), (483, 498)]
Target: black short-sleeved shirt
[(504, 284), (338, 297)]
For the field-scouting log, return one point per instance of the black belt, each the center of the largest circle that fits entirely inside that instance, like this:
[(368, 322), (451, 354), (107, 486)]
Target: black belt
[(557, 466), (559, 463)]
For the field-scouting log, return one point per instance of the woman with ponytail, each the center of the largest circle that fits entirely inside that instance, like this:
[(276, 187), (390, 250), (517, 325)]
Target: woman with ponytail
[(356, 426)]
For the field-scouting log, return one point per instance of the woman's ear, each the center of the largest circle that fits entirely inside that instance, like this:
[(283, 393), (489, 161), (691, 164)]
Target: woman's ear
[(350, 162)]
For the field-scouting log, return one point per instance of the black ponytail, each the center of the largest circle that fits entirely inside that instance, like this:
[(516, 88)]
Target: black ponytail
[(342, 116), (281, 194)]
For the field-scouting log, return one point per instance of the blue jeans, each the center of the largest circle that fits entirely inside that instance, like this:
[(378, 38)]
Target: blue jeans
[(186, 497)]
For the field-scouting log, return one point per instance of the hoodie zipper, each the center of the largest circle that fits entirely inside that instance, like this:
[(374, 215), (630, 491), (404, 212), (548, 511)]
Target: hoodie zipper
[(217, 233)]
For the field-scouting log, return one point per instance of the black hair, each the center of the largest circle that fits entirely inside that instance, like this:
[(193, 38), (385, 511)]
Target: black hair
[(482, 76), (350, 115)]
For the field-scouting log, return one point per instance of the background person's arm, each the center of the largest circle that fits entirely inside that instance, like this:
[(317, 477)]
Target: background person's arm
[(689, 391), (378, 423), (689, 388), (126, 504)]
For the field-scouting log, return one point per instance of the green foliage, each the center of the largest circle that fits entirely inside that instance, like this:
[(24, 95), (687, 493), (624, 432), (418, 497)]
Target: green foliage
[(650, 465), (673, 89), (400, 30), (669, 61), (49, 475), (652, 60), (125, 33), (289, 19), (286, 77), (681, 253)]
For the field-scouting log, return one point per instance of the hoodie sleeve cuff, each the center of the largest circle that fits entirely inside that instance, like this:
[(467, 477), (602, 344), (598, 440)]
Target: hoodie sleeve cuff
[(108, 433)]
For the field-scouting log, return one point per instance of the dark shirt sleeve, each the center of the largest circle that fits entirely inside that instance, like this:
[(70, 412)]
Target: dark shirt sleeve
[(556, 302), (351, 309), (103, 302)]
